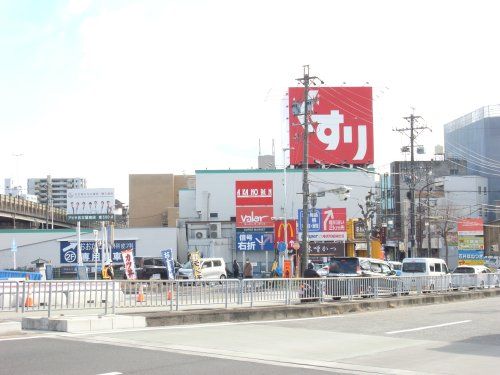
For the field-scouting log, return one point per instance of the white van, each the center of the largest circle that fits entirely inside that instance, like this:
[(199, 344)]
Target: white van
[(425, 274), (211, 268)]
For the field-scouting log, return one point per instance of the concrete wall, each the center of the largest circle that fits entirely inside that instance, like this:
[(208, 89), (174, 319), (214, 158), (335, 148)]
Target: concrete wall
[(33, 244)]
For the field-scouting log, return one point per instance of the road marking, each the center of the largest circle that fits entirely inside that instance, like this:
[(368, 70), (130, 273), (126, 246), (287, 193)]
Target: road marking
[(111, 373), (428, 327)]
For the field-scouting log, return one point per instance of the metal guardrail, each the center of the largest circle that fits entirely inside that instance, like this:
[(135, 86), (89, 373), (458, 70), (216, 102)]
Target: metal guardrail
[(175, 295)]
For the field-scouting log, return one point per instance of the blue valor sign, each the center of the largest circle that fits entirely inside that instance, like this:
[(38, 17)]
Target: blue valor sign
[(254, 241), (68, 251)]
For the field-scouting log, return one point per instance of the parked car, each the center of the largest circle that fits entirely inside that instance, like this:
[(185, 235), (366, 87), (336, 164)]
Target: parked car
[(343, 271), (396, 267), (472, 276), (148, 268), (425, 274), (211, 268), (322, 269)]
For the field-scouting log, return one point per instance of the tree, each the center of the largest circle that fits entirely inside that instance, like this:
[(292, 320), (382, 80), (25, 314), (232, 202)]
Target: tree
[(368, 212), (446, 223)]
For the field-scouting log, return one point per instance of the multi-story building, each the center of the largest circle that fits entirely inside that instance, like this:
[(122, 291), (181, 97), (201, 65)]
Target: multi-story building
[(54, 190), (154, 199), (421, 174), (475, 138)]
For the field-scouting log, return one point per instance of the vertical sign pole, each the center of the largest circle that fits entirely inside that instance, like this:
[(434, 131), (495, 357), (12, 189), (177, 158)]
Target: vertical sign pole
[(78, 244)]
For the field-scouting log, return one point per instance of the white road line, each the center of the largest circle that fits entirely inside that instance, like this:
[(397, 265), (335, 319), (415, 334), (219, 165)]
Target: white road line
[(428, 327), (111, 373)]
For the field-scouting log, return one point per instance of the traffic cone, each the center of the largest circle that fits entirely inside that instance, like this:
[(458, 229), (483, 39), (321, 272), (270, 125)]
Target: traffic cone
[(140, 295), (29, 300)]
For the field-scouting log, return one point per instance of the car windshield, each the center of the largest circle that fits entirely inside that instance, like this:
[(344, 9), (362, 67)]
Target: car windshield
[(464, 270), (414, 267), (187, 265), (343, 265)]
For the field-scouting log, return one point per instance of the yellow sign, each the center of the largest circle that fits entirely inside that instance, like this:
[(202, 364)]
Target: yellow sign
[(195, 260)]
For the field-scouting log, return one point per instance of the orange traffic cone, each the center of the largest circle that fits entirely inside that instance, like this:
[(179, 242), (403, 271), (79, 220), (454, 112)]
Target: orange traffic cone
[(29, 300), (140, 295)]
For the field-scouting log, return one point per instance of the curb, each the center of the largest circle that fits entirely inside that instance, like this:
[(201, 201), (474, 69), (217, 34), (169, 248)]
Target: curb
[(10, 327), (248, 314)]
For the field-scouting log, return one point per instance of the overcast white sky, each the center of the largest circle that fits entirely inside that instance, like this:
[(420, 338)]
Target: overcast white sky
[(101, 89)]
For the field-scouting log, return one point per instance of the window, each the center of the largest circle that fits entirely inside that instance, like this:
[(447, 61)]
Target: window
[(431, 266), (214, 215), (385, 269), (414, 267), (479, 189), (484, 190), (207, 264), (217, 263), (375, 267), (453, 172), (437, 267)]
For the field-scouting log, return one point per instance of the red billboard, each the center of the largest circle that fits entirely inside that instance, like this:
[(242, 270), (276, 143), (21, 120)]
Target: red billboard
[(470, 226), (254, 193), (254, 217), (291, 232), (340, 125)]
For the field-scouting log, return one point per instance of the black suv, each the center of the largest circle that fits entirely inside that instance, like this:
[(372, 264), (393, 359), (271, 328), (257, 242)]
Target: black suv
[(146, 267)]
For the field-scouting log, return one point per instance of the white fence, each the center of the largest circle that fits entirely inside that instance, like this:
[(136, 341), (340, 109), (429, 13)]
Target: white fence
[(176, 294)]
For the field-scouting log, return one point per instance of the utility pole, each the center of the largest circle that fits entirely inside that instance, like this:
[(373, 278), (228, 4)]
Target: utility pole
[(413, 132), (306, 80)]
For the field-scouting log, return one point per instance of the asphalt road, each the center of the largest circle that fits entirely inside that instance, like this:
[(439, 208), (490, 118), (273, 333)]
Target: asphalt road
[(454, 338)]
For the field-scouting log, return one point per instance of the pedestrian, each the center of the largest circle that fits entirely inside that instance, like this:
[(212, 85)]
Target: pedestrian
[(248, 270), (108, 272), (310, 272), (236, 269)]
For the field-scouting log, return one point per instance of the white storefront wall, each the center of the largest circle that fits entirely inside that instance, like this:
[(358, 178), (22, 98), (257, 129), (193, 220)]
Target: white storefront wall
[(216, 201), (45, 244)]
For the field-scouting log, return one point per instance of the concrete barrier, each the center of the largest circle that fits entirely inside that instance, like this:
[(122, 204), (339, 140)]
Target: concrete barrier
[(88, 323), (245, 314)]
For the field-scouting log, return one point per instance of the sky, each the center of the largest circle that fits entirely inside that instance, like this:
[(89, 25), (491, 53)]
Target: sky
[(104, 89)]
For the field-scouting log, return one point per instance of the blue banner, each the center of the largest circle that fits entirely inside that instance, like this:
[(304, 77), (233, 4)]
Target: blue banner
[(168, 261), (254, 241), (313, 220), (69, 253)]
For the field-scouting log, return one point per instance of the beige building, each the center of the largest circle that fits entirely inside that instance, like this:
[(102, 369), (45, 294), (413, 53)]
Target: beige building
[(154, 199)]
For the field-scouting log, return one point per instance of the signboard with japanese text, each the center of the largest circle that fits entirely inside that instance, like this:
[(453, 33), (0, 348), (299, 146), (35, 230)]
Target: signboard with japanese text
[(254, 216), (325, 224), (470, 257), (470, 226), (168, 261), (254, 241), (471, 242), (340, 125), (328, 248), (68, 252), (254, 193), (129, 264), (279, 232), (90, 204)]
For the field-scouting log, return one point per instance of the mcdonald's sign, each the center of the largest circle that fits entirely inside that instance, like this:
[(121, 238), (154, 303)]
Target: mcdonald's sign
[(291, 234)]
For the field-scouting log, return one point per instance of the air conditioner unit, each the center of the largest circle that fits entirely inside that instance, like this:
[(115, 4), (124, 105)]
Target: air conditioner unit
[(200, 233), (215, 230)]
